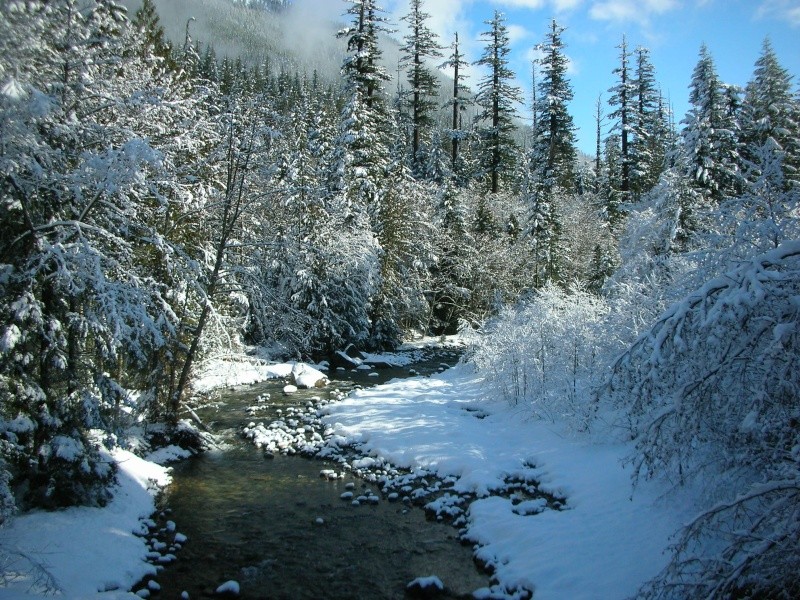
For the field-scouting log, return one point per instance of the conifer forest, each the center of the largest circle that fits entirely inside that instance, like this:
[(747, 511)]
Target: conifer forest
[(162, 204)]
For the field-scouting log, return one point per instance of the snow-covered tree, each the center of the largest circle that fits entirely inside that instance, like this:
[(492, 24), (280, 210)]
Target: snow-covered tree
[(622, 99), (457, 102), (709, 142), (421, 44), (651, 129), (553, 152), (81, 312), (542, 353), (770, 115), (709, 396), (497, 98), (362, 155)]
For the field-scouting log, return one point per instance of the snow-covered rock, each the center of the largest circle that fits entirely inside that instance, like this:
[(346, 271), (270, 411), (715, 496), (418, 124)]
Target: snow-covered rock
[(305, 376), (425, 587), (229, 588)]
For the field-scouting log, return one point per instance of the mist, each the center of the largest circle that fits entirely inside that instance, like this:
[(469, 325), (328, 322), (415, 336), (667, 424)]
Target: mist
[(302, 38)]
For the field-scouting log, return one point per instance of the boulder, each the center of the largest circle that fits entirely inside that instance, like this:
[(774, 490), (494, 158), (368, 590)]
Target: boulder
[(341, 359), (305, 376)]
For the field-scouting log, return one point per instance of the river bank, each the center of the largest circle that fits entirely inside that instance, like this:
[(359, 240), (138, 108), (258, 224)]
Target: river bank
[(598, 540)]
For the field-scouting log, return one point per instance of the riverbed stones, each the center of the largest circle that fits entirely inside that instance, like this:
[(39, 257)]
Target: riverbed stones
[(229, 589), (425, 587)]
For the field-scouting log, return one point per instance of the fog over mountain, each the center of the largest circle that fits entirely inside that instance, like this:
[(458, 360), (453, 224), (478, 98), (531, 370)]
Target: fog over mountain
[(302, 37)]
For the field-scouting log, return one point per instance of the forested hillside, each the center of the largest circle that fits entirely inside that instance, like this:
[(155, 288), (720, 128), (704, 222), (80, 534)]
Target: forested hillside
[(162, 204)]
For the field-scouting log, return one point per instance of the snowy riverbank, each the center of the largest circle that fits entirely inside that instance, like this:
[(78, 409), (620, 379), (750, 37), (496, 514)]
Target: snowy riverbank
[(604, 545), (607, 542), (85, 552)]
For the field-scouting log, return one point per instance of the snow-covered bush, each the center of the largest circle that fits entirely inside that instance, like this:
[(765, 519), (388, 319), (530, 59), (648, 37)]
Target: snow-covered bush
[(547, 353), (710, 397)]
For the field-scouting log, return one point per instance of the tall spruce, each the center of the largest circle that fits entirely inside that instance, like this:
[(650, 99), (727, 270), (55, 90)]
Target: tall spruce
[(458, 101), (497, 98), (622, 98), (553, 152), (363, 147), (770, 111), (420, 44), (649, 126), (710, 147)]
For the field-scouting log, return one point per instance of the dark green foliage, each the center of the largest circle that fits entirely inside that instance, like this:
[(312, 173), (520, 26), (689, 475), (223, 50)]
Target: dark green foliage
[(553, 153), (498, 99)]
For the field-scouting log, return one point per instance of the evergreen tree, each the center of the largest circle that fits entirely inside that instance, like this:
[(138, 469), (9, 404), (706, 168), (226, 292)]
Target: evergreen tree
[(362, 157), (458, 101), (622, 98), (708, 135), (362, 68), (610, 177), (497, 99), (650, 127), (553, 151), (420, 44), (155, 45), (85, 314), (770, 113)]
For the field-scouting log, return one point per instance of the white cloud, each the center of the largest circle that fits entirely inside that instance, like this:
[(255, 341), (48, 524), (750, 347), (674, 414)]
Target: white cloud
[(782, 10), (532, 4), (517, 33), (557, 5), (638, 11)]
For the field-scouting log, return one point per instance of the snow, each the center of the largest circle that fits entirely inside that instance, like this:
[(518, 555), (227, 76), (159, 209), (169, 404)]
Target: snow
[(168, 454), (221, 373), (229, 587), (234, 371), (306, 376), (88, 552), (426, 583), (605, 544)]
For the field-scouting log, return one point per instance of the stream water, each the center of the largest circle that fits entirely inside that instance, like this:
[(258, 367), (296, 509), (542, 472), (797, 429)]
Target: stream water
[(282, 532)]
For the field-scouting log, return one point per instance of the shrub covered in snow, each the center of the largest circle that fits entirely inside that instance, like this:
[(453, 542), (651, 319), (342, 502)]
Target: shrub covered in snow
[(710, 396), (546, 353)]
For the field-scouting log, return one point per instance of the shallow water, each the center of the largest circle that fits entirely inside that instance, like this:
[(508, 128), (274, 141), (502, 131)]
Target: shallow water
[(254, 519)]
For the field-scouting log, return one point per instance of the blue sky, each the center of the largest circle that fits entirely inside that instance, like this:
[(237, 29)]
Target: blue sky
[(673, 30)]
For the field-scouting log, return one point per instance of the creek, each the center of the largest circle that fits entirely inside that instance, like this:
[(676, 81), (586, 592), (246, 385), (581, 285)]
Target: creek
[(282, 532)]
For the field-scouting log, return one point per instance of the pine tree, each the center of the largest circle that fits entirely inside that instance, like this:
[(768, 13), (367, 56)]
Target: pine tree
[(771, 112), (458, 102), (363, 145), (650, 127), (83, 311), (497, 98), (622, 98), (708, 134), (420, 44), (155, 45), (553, 151)]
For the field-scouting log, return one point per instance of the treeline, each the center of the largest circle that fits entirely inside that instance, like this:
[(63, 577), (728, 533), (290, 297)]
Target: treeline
[(159, 205)]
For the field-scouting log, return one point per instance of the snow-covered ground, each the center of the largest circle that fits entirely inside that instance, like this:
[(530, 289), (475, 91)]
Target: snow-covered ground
[(607, 542), (84, 552)]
